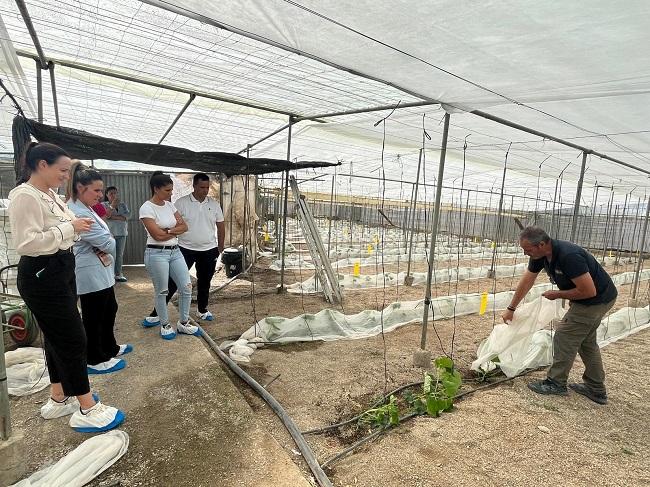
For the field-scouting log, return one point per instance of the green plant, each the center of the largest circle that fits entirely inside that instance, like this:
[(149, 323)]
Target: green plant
[(385, 415), (438, 389), (482, 375)]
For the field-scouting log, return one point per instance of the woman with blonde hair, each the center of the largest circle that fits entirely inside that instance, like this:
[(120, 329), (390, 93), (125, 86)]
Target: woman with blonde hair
[(44, 231), (94, 258)]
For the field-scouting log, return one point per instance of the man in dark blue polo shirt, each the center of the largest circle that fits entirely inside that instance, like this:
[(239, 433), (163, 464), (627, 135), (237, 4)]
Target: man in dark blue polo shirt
[(591, 294)]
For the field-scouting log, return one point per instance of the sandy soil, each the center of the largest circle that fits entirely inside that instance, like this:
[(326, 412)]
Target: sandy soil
[(491, 439)]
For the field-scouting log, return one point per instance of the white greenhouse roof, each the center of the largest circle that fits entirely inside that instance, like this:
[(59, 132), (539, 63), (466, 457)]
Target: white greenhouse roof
[(579, 71)]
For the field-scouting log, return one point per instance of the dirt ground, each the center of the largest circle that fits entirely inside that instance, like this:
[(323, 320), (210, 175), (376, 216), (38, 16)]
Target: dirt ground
[(492, 438), (192, 423)]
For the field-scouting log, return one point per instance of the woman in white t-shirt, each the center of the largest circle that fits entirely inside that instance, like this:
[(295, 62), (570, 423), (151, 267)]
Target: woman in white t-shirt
[(163, 260)]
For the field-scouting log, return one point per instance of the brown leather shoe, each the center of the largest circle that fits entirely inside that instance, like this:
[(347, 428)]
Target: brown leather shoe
[(585, 390)]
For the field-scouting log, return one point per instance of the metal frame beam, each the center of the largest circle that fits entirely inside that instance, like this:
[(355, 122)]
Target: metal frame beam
[(32, 32), (180, 114), (156, 84)]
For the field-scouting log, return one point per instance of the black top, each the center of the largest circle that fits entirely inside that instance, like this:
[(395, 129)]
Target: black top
[(569, 261)]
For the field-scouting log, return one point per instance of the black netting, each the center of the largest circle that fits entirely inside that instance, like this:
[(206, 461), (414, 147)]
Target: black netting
[(84, 145)]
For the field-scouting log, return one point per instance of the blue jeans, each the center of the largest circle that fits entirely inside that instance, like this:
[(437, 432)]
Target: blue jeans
[(120, 243), (161, 264)]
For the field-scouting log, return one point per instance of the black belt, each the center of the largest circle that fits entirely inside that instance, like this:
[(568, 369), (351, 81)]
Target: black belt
[(162, 247)]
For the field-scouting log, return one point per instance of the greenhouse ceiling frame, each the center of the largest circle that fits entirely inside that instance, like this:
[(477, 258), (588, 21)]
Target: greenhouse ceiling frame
[(44, 63)]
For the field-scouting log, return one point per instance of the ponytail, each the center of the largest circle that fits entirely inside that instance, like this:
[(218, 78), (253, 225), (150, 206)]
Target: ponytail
[(80, 175)]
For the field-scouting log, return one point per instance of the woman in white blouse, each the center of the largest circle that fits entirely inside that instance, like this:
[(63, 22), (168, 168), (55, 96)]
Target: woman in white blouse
[(44, 231), (163, 259)]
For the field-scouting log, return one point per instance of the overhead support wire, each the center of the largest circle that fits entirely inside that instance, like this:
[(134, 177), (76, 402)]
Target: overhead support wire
[(180, 114), (523, 128)]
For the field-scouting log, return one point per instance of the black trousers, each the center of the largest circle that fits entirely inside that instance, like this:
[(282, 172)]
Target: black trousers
[(98, 311), (47, 285), (205, 261)]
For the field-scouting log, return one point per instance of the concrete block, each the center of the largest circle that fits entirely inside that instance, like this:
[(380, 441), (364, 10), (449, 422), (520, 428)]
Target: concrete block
[(12, 455), (408, 280), (491, 274), (422, 359)]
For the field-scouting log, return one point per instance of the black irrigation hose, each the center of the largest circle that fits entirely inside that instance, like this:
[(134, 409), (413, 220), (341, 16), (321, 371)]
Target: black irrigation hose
[(378, 432), (293, 430), (355, 418)]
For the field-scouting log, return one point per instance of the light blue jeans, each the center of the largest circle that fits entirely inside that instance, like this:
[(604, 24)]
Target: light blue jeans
[(161, 264), (120, 243)]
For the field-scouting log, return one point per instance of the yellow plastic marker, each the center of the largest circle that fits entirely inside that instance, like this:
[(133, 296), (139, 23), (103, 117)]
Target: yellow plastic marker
[(493, 244), (357, 269), (370, 248), (475, 239), (266, 236), (376, 239), (610, 254), (484, 302)]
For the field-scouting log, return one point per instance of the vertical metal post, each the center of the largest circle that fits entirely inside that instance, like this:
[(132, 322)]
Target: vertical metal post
[(609, 211), (593, 216), (39, 91), (436, 219), (408, 280), (576, 205), (5, 417), (499, 218), (552, 225), (329, 226), (639, 262), (621, 229), (50, 66), (281, 289)]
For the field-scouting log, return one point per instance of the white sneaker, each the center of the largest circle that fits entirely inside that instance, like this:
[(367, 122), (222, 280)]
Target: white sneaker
[(124, 349), (207, 316), (167, 332), (52, 409), (150, 321), (96, 419), (112, 365), (187, 329)]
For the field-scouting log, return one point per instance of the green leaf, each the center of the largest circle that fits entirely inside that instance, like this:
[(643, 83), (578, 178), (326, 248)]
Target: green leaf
[(451, 382), (444, 363)]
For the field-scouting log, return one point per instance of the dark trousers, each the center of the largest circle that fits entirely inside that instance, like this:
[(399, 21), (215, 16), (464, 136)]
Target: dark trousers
[(205, 261), (98, 311), (52, 298), (576, 334)]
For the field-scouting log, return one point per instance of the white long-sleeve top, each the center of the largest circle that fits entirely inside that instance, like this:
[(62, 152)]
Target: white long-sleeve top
[(40, 222)]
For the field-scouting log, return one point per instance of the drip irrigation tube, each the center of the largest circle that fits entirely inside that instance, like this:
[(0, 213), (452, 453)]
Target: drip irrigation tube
[(383, 429), (293, 430)]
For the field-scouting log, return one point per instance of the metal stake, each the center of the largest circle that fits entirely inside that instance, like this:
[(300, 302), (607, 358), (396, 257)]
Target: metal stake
[(283, 252), (639, 263), (436, 218), (576, 205), (408, 280)]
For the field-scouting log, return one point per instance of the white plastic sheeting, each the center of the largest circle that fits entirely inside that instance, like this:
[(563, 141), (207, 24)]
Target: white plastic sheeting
[(26, 371), (347, 281), (82, 464), (329, 324), (577, 71), (524, 344)]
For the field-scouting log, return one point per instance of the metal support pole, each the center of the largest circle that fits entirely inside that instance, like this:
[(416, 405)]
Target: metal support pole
[(432, 247), (283, 249), (5, 417), (329, 226), (408, 280), (576, 205), (180, 114), (621, 231), (39, 91), (639, 263), (496, 240), (55, 101), (42, 60)]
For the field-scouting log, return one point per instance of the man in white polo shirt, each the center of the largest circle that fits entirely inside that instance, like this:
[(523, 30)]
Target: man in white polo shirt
[(199, 245)]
